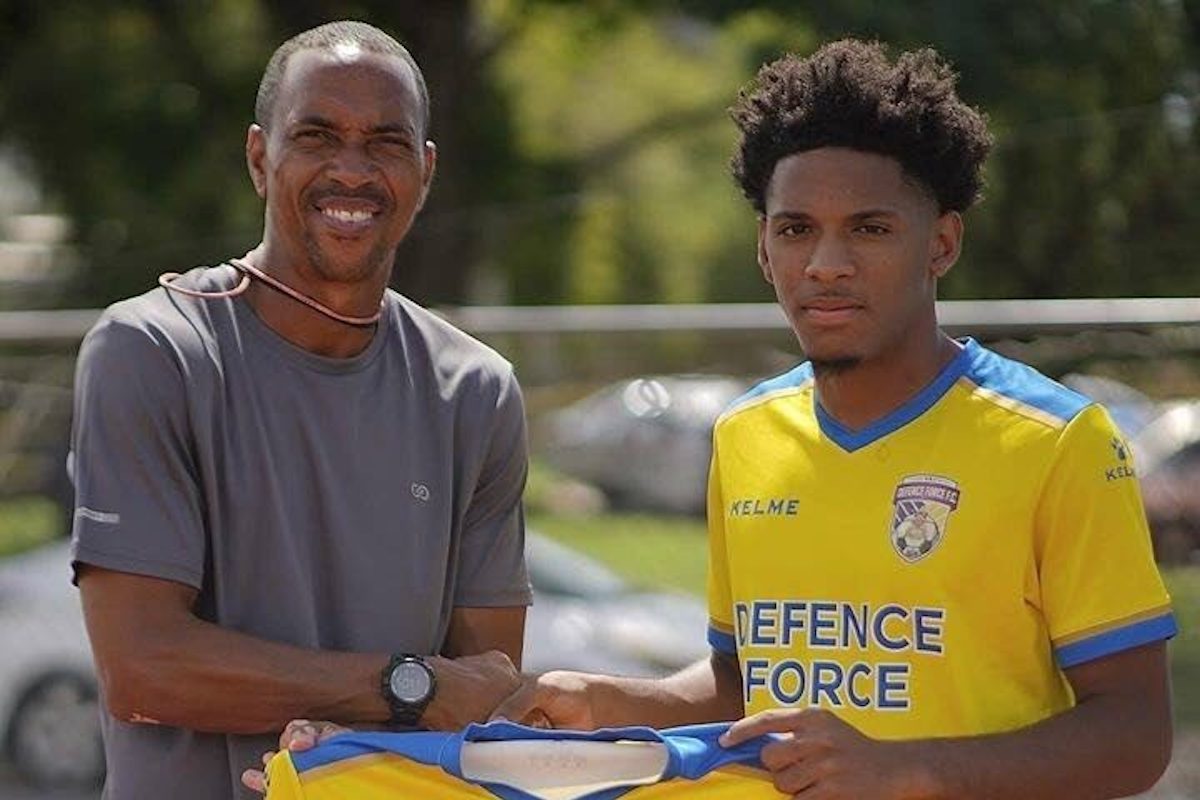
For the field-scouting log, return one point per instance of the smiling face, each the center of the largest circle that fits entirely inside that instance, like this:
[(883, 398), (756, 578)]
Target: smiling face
[(854, 250), (343, 165)]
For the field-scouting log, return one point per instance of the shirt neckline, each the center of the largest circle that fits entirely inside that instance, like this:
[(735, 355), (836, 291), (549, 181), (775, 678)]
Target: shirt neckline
[(249, 319), (850, 440)]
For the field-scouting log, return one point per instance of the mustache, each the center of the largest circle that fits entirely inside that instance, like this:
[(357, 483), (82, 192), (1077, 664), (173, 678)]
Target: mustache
[(368, 192)]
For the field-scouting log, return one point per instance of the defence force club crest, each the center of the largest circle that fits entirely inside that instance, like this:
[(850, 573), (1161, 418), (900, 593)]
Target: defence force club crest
[(922, 507)]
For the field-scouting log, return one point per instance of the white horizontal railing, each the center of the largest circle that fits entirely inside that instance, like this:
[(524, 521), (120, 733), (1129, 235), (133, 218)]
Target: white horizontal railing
[(979, 317)]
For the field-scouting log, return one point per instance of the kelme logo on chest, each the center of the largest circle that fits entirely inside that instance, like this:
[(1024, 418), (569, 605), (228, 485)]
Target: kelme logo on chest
[(764, 507), (921, 510)]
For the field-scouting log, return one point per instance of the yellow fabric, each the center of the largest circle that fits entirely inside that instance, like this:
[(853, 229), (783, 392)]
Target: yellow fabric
[(383, 775), (1040, 541), (392, 777)]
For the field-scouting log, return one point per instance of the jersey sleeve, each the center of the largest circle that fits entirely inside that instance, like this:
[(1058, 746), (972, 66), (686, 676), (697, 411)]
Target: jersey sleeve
[(137, 499), (1100, 589), (492, 570), (720, 595)]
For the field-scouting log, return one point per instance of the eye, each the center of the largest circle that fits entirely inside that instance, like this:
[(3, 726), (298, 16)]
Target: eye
[(873, 229), (314, 136), (392, 144), (793, 230)]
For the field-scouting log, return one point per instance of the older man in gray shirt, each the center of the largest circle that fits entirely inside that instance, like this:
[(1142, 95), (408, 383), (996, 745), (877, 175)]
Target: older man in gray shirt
[(298, 493)]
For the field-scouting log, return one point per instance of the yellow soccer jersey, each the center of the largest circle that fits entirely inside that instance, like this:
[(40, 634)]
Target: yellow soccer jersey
[(513, 762), (934, 573)]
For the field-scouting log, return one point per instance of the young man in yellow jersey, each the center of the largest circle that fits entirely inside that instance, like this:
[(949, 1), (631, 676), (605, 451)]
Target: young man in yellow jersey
[(929, 565), (930, 572)]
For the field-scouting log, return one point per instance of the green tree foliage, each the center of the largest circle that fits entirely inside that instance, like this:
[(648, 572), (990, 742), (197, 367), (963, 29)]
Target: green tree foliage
[(583, 145), (633, 106), (1090, 180), (135, 115), (1093, 105)]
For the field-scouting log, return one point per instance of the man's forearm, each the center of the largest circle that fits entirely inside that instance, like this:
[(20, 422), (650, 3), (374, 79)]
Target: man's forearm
[(158, 662), (1114, 742), (1108, 746), (707, 691), (207, 678)]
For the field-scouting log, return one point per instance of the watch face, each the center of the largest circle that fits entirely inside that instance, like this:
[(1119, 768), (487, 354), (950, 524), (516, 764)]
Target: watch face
[(410, 682)]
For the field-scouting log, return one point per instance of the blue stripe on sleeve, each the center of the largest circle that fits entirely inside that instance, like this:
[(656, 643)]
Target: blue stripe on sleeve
[(722, 642), (421, 746), (1116, 640)]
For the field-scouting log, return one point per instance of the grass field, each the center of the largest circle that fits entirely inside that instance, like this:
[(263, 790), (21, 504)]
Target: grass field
[(668, 551), (26, 522)]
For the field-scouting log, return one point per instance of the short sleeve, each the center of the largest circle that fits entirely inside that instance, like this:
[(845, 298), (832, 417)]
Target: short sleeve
[(137, 502), (492, 570), (1101, 591), (720, 596)]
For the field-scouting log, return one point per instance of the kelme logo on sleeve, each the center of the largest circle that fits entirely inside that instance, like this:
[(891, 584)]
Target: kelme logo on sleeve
[(921, 510)]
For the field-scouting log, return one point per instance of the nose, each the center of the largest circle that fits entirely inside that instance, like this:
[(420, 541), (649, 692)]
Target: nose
[(829, 259), (352, 166)]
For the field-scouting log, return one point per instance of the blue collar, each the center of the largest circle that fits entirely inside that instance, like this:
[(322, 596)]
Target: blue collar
[(851, 440), (692, 750)]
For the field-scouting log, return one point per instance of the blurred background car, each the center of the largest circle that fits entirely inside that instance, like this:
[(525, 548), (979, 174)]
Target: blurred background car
[(584, 617), (49, 713), (1130, 409), (1168, 463), (646, 442)]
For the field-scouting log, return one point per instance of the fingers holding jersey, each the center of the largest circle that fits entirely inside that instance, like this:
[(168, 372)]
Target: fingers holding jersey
[(814, 754), (552, 700), (303, 734), (256, 779), (469, 689), (777, 720), (299, 734)]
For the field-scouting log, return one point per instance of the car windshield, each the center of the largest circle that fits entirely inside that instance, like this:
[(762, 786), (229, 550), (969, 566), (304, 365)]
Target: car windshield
[(557, 569)]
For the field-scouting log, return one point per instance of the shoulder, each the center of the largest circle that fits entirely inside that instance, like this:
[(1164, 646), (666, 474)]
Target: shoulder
[(456, 359), (1021, 390), (158, 320), (453, 364), (796, 381)]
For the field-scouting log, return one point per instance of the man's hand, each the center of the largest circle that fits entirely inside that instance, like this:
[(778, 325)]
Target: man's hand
[(469, 688), (300, 734), (557, 699), (817, 756)]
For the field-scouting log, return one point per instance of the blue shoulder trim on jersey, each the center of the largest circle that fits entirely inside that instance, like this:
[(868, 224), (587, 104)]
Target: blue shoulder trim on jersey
[(1114, 641), (721, 641), (692, 750), (791, 379), (1023, 383), (851, 440)]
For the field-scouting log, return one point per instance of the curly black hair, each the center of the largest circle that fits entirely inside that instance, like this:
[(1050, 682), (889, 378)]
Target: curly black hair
[(848, 94)]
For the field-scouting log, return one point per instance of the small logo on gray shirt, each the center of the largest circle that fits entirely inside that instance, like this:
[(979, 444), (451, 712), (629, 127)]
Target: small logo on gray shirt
[(105, 517), (420, 491)]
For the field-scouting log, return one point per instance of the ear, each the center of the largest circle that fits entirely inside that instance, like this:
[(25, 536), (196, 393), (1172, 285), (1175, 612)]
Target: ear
[(764, 260), (429, 168), (945, 246), (256, 157)]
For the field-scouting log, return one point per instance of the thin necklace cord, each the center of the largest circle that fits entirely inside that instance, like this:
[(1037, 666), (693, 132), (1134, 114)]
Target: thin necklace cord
[(168, 281)]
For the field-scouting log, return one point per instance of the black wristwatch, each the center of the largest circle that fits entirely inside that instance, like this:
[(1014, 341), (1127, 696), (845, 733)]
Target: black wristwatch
[(408, 686)]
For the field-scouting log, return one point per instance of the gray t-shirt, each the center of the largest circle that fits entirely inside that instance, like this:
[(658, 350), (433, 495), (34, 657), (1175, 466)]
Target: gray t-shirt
[(342, 504)]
